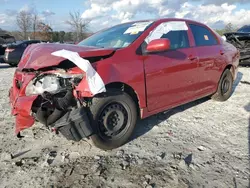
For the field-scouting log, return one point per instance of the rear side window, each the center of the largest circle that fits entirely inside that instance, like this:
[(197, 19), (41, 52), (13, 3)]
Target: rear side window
[(178, 39), (203, 36)]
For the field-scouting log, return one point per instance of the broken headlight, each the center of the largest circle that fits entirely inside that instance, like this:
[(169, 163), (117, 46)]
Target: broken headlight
[(52, 83)]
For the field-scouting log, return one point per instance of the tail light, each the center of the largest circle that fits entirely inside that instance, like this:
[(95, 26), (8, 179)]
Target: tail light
[(9, 50)]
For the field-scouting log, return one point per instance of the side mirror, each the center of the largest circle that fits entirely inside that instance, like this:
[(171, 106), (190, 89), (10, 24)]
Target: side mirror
[(158, 45)]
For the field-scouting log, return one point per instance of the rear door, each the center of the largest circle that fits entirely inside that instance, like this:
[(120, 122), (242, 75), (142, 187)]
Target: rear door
[(171, 75), (210, 55)]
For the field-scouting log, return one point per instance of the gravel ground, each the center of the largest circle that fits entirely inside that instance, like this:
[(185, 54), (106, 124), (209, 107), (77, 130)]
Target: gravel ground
[(200, 144)]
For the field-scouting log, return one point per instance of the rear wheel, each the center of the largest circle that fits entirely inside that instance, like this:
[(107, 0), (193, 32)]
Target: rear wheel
[(225, 87), (113, 118)]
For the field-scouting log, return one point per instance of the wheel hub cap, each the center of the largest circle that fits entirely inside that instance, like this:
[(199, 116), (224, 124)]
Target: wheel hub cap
[(113, 120)]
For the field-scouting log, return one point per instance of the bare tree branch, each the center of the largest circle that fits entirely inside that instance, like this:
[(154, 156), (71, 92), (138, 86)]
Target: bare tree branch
[(45, 31), (24, 22), (78, 24), (35, 22)]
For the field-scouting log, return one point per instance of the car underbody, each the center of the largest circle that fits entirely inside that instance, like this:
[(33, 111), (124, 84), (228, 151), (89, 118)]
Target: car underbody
[(242, 42)]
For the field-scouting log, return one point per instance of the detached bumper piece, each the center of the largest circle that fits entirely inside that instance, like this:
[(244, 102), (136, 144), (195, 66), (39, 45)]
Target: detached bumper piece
[(74, 125)]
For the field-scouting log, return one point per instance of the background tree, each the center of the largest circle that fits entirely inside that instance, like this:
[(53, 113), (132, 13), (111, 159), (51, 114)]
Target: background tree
[(78, 24), (45, 32), (230, 28), (35, 23), (68, 37), (24, 22), (227, 29), (61, 36), (55, 36)]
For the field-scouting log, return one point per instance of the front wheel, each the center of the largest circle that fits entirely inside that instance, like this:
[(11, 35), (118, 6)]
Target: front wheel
[(225, 87), (113, 117)]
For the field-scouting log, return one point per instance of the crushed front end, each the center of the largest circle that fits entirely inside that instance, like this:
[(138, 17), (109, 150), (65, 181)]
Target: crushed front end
[(242, 42), (52, 85), (51, 98)]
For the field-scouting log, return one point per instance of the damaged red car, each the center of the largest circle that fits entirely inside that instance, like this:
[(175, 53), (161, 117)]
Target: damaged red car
[(100, 87)]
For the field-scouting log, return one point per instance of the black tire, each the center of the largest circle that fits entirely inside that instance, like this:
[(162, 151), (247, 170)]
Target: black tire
[(12, 64), (225, 87), (113, 111)]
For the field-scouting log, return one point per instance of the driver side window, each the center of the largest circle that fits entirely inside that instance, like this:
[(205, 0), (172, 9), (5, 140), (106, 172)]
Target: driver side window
[(178, 39), (175, 31)]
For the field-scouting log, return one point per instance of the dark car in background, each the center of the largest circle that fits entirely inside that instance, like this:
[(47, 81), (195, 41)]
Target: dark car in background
[(4, 40), (14, 51), (241, 40)]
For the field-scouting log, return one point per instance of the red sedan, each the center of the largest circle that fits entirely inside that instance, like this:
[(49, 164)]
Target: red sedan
[(98, 88)]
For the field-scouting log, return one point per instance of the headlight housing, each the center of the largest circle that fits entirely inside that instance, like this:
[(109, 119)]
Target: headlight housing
[(52, 83)]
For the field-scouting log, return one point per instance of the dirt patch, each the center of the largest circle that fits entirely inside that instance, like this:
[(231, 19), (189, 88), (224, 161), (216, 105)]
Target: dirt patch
[(200, 144)]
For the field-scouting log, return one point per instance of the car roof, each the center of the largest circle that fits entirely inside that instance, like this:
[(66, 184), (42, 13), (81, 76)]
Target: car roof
[(167, 20), (29, 41)]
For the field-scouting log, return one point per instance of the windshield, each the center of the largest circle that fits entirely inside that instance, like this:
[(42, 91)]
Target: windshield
[(245, 29), (119, 36)]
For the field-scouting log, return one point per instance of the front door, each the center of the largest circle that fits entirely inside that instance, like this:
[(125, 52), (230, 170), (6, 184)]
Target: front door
[(171, 75)]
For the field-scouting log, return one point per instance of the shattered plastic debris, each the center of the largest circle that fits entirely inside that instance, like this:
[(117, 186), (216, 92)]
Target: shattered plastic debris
[(95, 82)]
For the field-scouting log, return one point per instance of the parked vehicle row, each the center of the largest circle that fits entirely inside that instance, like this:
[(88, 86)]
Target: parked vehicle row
[(4, 40), (14, 51)]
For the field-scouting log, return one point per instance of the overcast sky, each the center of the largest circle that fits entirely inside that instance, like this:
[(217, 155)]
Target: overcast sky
[(105, 13)]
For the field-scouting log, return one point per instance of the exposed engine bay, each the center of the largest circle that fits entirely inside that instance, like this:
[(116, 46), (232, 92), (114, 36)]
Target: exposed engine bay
[(56, 107), (56, 95)]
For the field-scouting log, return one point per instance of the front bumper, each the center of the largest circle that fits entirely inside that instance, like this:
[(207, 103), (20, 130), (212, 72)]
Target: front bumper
[(74, 125), (21, 104), (21, 109)]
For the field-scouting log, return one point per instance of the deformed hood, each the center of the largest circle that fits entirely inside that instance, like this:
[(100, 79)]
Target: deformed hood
[(39, 56)]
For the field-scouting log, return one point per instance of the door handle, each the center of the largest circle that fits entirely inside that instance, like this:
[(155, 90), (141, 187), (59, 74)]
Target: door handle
[(192, 58)]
